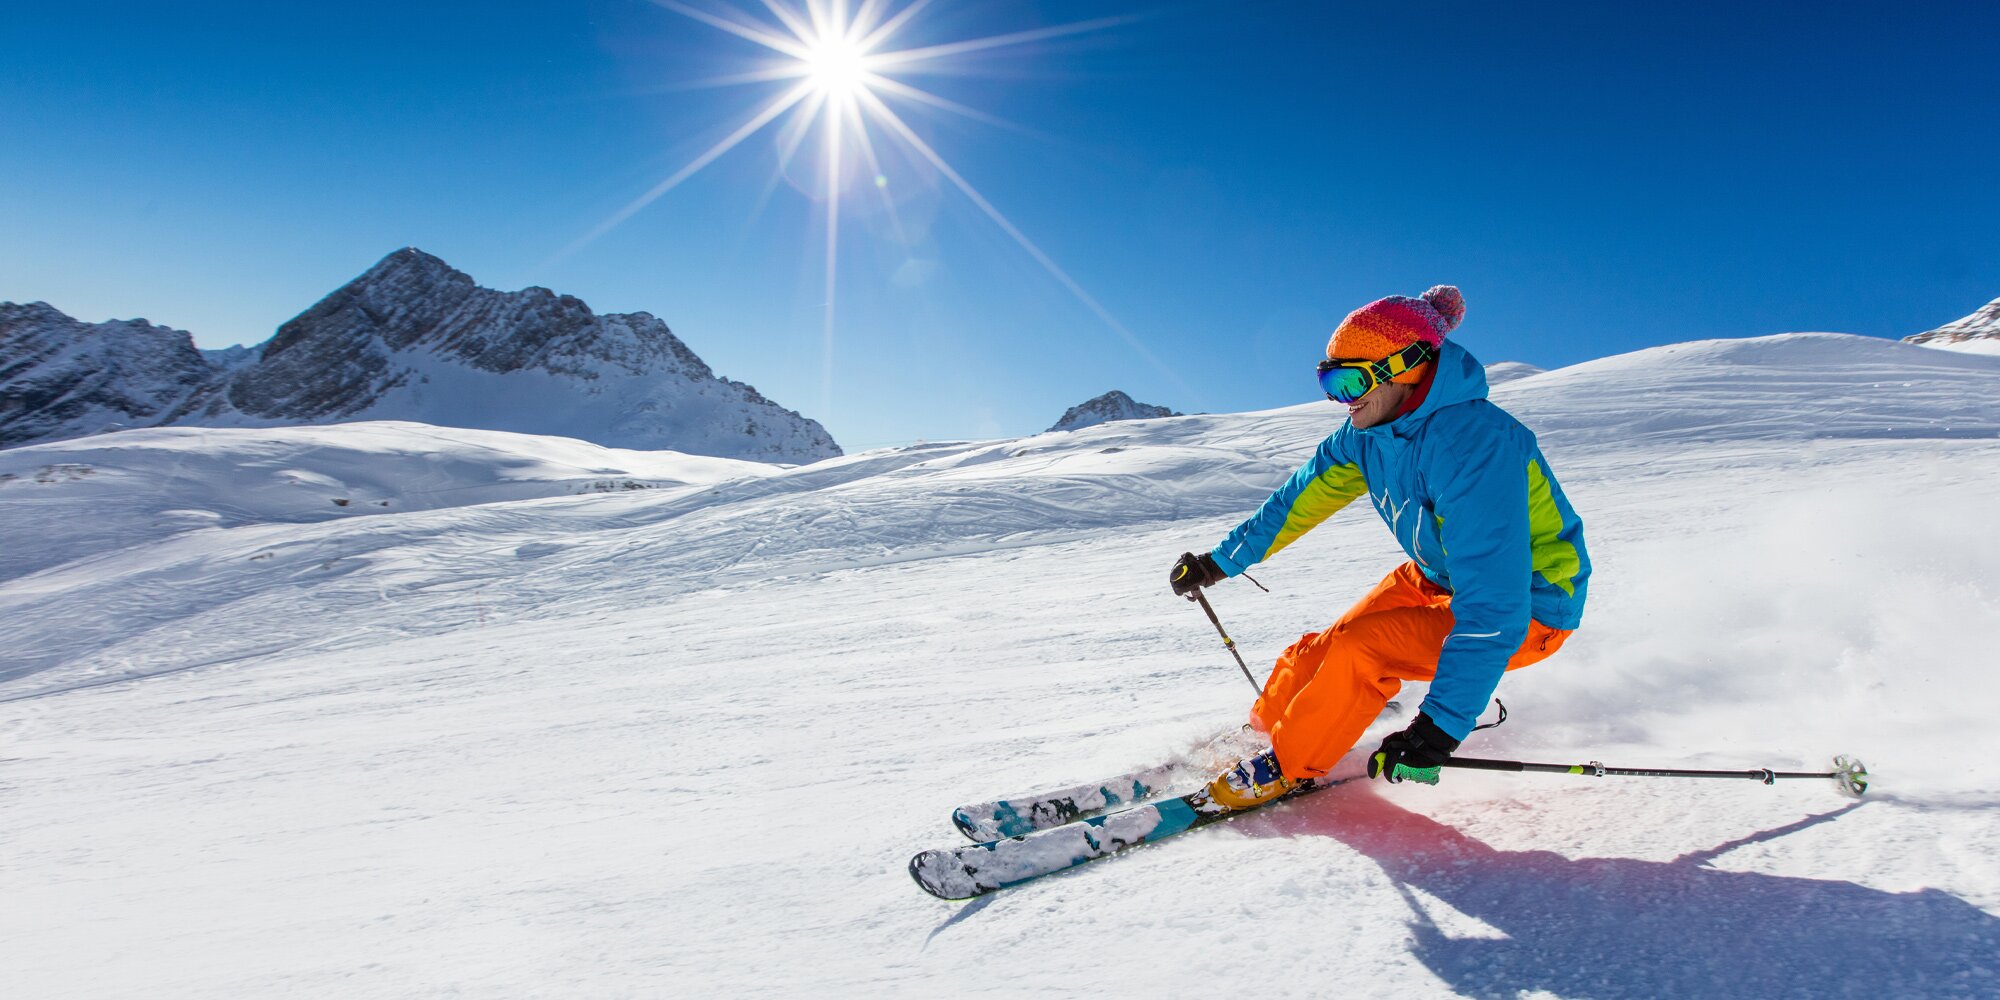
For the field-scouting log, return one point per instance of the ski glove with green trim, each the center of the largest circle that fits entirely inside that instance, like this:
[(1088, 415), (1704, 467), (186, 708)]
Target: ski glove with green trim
[(1415, 754), (1192, 572)]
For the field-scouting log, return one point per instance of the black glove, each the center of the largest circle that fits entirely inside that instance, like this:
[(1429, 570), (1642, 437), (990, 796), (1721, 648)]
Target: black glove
[(1193, 572), (1415, 754)]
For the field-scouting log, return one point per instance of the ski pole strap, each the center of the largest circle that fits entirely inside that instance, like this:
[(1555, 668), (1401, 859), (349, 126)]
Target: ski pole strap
[(1502, 706)]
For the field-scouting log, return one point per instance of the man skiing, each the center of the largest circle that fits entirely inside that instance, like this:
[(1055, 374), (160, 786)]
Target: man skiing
[(1497, 568)]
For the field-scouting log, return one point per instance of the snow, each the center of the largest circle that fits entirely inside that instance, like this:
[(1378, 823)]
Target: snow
[(605, 403), (1989, 345), (150, 484), (682, 741), (1508, 371)]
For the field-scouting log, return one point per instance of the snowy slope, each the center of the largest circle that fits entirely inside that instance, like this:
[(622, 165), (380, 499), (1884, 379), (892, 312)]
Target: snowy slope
[(680, 742), (144, 485), (1508, 371)]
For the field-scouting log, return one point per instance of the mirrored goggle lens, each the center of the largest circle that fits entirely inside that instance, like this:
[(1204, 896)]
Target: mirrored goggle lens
[(1344, 385)]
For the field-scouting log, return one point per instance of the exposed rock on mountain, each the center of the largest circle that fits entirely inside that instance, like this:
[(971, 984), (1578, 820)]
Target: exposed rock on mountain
[(410, 339), (1978, 333), (60, 377), (1113, 405)]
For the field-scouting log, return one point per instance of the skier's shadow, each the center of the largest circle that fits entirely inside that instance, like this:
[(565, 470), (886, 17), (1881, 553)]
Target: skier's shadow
[(1612, 927)]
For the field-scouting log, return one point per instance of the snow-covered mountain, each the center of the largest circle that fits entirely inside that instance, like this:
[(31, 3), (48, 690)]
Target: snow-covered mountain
[(1978, 333), (60, 377), (1113, 405), (410, 339), (1508, 371), (631, 743)]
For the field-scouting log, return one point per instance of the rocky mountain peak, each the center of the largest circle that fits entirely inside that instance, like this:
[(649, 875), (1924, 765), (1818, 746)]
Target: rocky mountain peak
[(411, 338), (60, 376), (1113, 405), (1978, 332)]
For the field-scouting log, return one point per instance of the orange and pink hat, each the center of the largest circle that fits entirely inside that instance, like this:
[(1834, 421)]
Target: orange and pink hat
[(1385, 326)]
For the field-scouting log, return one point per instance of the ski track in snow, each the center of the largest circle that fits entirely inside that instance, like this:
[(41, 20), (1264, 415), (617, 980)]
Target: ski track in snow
[(681, 741)]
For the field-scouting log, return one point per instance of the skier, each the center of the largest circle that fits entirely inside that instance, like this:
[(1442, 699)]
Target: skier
[(1497, 568)]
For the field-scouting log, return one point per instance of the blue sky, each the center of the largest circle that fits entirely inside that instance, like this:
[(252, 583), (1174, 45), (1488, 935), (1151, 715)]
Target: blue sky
[(1226, 179)]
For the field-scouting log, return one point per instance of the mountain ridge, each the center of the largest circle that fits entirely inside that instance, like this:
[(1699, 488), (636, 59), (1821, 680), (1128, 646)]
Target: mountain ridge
[(1103, 409), (411, 338)]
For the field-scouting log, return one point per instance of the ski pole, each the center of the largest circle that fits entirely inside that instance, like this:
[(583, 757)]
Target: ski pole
[(1848, 772), (1202, 599)]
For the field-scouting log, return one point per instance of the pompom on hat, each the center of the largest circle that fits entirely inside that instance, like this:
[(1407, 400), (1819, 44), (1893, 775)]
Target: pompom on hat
[(1385, 326)]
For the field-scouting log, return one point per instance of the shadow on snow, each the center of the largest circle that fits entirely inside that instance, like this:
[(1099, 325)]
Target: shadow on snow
[(1615, 927)]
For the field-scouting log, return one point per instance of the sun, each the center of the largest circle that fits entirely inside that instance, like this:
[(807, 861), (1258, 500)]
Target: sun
[(837, 66)]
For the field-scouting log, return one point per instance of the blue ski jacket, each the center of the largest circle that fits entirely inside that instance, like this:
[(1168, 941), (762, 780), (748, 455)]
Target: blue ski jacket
[(1465, 490)]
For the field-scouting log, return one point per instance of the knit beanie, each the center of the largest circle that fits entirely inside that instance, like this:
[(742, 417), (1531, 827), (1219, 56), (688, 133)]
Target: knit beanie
[(1385, 326)]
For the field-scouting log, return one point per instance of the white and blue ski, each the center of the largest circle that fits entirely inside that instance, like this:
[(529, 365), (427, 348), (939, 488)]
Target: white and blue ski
[(1016, 815), (1012, 817), (977, 869)]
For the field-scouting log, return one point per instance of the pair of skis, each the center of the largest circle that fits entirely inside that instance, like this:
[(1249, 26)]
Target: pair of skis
[(1016, 840), (1023, 838)]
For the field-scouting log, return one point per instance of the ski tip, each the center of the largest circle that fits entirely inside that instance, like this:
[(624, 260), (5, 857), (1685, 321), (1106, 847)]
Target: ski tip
[(947, 877), (917, 873), (921, 867), (963, 821)]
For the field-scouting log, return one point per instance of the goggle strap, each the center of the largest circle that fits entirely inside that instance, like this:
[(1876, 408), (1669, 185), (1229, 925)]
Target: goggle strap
[(1408, 358)]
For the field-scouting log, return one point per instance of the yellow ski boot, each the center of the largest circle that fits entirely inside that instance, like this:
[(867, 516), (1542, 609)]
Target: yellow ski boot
[(1251, 783)]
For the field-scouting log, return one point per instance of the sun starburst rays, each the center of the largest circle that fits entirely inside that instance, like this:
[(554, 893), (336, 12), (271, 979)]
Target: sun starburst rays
[(836, 69)]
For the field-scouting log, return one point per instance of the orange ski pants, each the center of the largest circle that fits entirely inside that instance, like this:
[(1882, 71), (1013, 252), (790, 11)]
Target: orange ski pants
[(1330, 685)]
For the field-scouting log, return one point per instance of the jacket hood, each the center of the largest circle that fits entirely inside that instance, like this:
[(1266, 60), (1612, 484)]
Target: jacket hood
[(1460, 379)]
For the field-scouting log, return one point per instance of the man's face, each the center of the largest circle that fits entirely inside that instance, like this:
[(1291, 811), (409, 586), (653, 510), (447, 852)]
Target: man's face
[(1380, 405)]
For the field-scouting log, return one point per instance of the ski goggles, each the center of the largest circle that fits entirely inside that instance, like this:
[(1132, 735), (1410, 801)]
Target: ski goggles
[(1347, 381)]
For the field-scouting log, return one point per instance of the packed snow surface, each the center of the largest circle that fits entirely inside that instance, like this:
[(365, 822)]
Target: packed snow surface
[(1989, 345), (682, 741), (142, 485)]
